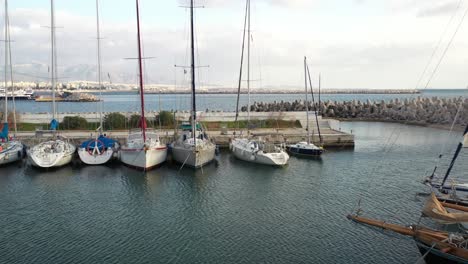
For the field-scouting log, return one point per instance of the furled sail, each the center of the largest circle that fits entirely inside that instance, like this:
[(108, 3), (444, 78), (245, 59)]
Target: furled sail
[(435, 210)]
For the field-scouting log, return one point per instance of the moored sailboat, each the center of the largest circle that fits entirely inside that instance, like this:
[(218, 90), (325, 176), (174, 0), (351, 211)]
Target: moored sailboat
[(193, 147), (144, 149), (256, 151), (457, 189), (101, 149), (58, 151), (308, 148), (10, 150)]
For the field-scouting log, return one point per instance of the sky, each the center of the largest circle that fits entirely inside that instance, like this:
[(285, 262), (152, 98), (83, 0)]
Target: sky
[(378, 44)]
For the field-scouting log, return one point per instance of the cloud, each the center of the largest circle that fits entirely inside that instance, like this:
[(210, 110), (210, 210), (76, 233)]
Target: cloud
[(364, 51)]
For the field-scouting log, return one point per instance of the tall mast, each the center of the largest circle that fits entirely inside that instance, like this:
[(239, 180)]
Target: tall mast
[(242, 61), (192, 44), (455, 156), (248, 62), (307, 100), (53, 59), (99, 65), (320, 85), (142, 97), (315, 106), (5, 116)]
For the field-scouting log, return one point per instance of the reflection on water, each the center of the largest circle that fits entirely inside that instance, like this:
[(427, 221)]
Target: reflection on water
[(231, 211)]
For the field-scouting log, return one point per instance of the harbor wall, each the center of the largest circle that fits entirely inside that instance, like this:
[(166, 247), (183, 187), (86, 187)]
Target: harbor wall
[(423, 111)]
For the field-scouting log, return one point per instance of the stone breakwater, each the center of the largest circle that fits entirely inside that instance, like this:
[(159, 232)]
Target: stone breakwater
[(418, 110)]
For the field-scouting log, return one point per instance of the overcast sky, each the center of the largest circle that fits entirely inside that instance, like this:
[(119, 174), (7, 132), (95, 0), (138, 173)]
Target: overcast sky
[(353, 43)]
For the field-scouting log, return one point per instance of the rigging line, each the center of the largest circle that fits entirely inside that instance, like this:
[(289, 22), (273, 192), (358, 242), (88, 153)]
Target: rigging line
[(11, 73), (241, 64), (446, 48), (315, 106), (438, 44)]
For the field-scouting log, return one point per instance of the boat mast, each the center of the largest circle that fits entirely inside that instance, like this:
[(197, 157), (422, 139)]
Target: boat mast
[(457, 152), (241, 62), (53, 57), (248, 64), (307, 100), (5, 116), (315, 106), (192, 44), (142, 98), (319, 88), (99, 65)]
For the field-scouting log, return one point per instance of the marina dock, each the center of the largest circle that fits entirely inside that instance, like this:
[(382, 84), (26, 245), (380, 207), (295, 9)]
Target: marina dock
[(331, 135)]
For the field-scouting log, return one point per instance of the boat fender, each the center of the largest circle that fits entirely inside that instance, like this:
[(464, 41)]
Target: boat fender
[(217, 150), (252, 157), (20, 154)]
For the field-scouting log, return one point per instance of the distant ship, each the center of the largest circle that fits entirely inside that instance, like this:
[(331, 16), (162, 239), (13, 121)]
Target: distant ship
[(23, 94)]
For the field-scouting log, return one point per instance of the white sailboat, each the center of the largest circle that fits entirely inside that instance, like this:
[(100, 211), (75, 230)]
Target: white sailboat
[(256, 151), (144, 149), (308, 148), (10, 150), (193, 148), (101, 149), (58, 151)]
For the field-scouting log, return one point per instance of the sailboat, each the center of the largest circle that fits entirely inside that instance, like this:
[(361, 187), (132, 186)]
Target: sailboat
[(456, 189), (101, 149), (307, 148), (10, 150), (193, 147), (256, 151), (56, 152), (435, 246), (144, 149)]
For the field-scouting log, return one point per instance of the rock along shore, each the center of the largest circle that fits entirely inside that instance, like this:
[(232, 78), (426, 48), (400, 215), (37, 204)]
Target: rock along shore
[(422, 111)]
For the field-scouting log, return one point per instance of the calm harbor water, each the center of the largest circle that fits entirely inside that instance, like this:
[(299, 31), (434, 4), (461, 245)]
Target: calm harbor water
[(127, 102), (232, 212)]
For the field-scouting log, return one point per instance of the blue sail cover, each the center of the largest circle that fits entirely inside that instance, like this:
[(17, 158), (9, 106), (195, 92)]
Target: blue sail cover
[(108, 142), (4, 132), (54, 124)]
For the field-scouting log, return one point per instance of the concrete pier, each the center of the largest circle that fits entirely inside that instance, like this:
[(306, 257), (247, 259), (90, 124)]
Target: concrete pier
[(331, 137)]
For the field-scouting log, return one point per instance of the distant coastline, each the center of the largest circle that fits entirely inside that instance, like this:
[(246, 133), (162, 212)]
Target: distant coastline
[(231, 91)]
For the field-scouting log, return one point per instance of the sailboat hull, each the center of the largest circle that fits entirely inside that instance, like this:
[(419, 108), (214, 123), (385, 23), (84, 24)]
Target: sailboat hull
[(304, 151), (144, 159), (258, 156), (195, 159), (11, 152), (95, 159), (45, 156), (435, 256)]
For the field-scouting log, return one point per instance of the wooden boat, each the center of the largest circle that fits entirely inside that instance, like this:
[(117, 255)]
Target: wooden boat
[(436, 246)]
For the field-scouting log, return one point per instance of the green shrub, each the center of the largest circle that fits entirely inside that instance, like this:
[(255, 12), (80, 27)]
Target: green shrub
[(74, 122), (114, 121), (166, 118)]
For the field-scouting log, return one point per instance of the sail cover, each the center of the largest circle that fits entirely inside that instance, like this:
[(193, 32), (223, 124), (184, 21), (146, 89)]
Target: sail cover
[(435, 210), (4, 132)]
